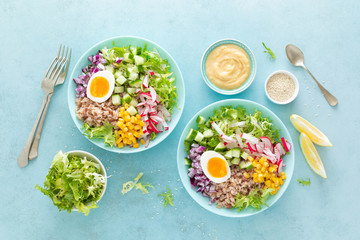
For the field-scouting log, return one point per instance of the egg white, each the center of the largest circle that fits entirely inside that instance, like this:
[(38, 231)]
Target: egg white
[(111, 80), (204, 160)]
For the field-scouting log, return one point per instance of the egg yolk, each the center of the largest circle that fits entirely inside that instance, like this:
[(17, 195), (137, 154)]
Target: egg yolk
[(99, 87), (217, 167)]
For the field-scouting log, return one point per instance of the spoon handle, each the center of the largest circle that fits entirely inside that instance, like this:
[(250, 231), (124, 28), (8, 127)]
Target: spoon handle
[(328, 96)]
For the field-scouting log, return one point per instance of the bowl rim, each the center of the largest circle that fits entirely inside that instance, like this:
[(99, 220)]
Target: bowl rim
[(292, 76), (93, 159), (187, 186), (180, 105), (253, 70)]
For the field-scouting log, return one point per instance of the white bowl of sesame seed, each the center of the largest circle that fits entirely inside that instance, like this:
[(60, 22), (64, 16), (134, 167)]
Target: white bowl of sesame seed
[(281, 87)]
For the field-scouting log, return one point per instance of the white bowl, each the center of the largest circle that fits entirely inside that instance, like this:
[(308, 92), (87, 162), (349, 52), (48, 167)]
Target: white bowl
[(292, 76), (92, 158)]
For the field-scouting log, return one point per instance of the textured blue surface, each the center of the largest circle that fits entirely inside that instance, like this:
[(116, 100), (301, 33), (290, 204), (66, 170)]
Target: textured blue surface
[(326, 31)]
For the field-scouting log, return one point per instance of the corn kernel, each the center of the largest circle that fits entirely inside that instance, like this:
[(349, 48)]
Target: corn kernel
[(268, 183), (246, 175), (142, 141), (126, 106), (262, 160)]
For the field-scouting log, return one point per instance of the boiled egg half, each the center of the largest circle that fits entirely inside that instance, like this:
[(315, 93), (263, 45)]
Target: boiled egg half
[(100, 86), (215, 167)]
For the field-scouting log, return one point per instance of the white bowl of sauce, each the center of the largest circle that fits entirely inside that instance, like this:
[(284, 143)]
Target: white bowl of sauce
[(228, 66)]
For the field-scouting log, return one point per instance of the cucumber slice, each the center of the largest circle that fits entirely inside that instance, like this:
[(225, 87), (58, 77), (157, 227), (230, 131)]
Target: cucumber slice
[(246, 165), (199, 137), (121, 80), (213, 142), (131, 91), (133, 50), (229, 162), (117, 74), (236, 152), (235, 161), (228, 154), (120, 89), (191, 135), (133, 102), (208, 133), (110, 68), (132, 110), (126, 99), (136, 83), (116, 99), (244, 155), (188, 161), (139, 60), (220, 147), (133, 76), (200, 120)]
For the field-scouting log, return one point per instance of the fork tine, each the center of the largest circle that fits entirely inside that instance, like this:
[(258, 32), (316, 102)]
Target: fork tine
[(53, 62), (59, 64), (59, 68), (65, 70)]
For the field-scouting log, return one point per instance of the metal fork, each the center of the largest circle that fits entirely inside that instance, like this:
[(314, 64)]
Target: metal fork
[(47, 84), (35, 144)]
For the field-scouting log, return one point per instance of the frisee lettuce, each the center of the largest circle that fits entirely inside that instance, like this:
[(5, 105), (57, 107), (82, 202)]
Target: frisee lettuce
[(256, 199), (73, 182), (128, 186), (168, 197), (304, 182), (105, 132)]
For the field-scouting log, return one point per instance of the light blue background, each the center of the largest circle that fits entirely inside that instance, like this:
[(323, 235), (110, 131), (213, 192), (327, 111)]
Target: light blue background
[(326, 31)]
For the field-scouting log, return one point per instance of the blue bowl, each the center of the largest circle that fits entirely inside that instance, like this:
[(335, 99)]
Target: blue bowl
[(252, 64), (250, 107), (125, 41)]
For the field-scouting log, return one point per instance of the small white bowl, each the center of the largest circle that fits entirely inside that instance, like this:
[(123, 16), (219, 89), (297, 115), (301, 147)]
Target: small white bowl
[(292, 76), (92, 158)]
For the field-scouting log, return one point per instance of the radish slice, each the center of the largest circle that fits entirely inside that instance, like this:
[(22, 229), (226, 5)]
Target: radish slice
[(280, 166), (227, 139), (280, 149), (287, 146), (217, 129), (277, 154), (151, 73), (250, 138), (251, 148), (146, 81), (153, 94), (237, 124), (259, 148), (267, 143)]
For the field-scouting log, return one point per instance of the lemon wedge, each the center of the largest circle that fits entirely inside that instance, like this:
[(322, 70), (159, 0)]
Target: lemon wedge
[(311, 155), (303, 126)]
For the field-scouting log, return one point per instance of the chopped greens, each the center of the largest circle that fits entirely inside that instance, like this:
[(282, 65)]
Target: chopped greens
[(105, 131), (73, 182), (168, 197), (268, 50), (304, 182), (128, 186), (256, 199)]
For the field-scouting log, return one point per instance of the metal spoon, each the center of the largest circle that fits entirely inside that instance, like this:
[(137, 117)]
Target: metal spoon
[(296, 57)]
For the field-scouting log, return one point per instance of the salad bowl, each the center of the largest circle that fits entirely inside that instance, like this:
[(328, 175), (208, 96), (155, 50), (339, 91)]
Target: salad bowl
[(123, 41), (182, 154)]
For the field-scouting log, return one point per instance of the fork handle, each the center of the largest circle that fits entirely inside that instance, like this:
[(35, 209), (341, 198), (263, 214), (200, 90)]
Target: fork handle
[(23, 158), (35, 144)]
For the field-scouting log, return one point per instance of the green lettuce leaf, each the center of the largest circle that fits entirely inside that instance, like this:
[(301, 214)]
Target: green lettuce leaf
[(256, 199), (105, 132), (73, 182)]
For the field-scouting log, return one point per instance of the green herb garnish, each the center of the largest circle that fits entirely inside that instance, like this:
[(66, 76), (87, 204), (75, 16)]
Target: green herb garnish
[(256, 199), (304, 182), (268, 50), (168, 197)]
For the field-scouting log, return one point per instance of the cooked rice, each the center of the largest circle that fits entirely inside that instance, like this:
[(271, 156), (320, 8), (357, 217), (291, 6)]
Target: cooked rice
[(95, 114), (225, 193)]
